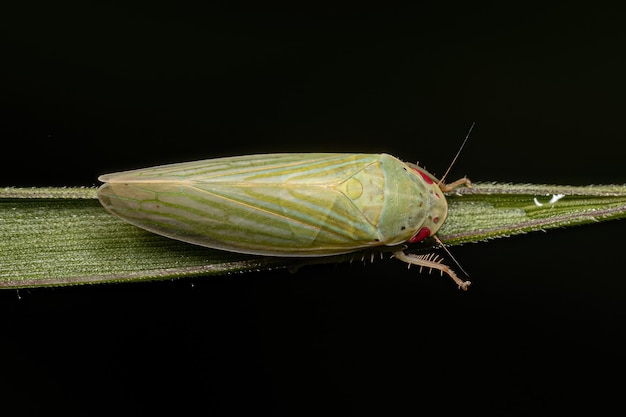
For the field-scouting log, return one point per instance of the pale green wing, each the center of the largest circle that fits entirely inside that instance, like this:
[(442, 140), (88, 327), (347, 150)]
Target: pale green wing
[(293, 168), (280, 204)]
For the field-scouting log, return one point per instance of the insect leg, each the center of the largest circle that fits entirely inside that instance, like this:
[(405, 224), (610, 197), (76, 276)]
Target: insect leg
[(433, 262), (449, 187)]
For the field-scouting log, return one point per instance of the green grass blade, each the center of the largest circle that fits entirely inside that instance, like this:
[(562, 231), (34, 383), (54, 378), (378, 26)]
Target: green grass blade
[(491, 210), (62, 236)]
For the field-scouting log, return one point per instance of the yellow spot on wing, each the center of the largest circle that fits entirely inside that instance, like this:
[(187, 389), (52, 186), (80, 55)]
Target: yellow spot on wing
[(366, 191), (352, 188)]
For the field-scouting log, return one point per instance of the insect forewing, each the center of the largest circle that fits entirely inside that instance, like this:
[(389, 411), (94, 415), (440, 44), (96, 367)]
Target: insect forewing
[(275, 204)]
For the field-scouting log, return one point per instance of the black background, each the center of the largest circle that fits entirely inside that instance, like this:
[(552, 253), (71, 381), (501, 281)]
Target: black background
[(95, 87)]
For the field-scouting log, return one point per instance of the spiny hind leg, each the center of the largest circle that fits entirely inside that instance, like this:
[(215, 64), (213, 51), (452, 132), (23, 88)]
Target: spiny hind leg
[(431, 261)]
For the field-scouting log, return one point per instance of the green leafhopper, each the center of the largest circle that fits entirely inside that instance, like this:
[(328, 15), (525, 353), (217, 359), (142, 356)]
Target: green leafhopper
[(290, 204)]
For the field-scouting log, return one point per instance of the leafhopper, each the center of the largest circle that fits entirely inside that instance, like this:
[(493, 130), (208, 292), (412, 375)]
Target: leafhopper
[(288, 204)]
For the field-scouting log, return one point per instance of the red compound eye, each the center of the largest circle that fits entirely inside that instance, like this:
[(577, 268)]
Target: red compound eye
[(423, 233), (426, 177)]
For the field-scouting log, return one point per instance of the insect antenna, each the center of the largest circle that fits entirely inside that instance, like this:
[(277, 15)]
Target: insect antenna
[(450, 255), (441, 181)]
